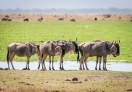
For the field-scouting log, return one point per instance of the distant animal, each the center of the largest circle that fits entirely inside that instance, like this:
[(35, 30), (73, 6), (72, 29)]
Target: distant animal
[(4, 19), (95, 19), (9, 19), (26, 19), (39, 20), (99, 49), (60, 19), (50, 48), (22, 50), (7, 16), (72, 20)]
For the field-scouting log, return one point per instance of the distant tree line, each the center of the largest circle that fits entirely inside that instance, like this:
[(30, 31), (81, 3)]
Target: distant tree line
[(53, 10)]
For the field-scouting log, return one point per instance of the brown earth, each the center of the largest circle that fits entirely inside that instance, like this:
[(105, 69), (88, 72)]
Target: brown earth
[(64, 81)]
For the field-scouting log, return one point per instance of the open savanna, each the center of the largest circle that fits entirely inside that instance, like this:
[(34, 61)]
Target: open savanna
[(85, 29), (62, 81)]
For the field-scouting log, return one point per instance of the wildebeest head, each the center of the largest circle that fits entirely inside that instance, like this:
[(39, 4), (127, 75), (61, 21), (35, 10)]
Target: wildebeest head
[(72, 46), (33, 48), (118, 48), (113, 50)]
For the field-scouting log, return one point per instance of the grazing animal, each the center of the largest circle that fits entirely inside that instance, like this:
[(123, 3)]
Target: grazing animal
[(60, 19), (95, 19), (72, 20), (4, 19), (22, 50), (9, 19), (99, 49), (26, 19), (50, 48), (39, 20)]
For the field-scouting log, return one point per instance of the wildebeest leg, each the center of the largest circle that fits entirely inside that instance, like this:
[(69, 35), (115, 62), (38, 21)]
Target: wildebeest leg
[(53, 62), (85, 61), (100, 63), (39, 63), (81, 61), (49, 62), (61, 63), (104, 63), (11, 58), (27, 65), (43, 62), (96, 62)]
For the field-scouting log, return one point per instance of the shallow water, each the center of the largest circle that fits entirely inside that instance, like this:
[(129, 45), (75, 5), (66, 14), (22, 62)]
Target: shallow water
[(68, 65)]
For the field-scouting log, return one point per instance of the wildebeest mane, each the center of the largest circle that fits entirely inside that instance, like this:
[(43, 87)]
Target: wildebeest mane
[(76, 46), (107, 47), (118, 48)]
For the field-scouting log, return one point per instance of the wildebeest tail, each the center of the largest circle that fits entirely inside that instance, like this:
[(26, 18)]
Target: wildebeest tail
[(7, 57), (78, 57)]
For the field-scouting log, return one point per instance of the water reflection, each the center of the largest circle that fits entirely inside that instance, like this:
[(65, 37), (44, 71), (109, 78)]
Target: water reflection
[(68, 65)]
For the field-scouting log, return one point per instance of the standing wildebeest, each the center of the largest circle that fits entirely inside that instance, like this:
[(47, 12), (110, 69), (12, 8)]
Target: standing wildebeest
[(60, 19), (4, 19), (26, 19), (21, 49), (50, 48), (95, 19), (72, 20), (100, 49), (9, 19), (100, 57), (39, 20), (70, 46)]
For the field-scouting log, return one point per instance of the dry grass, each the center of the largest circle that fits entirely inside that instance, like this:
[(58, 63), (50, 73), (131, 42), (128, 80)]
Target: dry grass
[(61, 81), (67, 17)]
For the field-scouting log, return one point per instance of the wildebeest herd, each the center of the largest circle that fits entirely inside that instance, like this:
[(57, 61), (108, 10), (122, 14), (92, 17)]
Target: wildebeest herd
[(61, 47), (63, 17)]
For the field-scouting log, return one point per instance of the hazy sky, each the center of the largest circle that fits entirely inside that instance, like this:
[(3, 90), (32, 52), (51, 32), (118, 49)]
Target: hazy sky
[(69, 4)]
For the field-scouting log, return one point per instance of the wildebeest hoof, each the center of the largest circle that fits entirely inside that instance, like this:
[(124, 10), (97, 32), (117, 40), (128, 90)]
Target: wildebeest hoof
[(24, 69)]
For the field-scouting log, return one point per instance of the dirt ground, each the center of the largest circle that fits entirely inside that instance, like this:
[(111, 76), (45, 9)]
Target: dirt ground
[(65, 81), (67, 17)]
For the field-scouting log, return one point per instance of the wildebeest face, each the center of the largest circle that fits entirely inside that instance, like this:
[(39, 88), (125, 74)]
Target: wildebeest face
[(114, 50)]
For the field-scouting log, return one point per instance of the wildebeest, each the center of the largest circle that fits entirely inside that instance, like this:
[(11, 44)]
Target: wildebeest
[(26, 19), (60, 19), (72, 20), (66, 46), (98, 58), (9, 19), (4, 19), (100, 49), (22, 50), (70, 46), (95, 19), (39, 20), (50, 48)]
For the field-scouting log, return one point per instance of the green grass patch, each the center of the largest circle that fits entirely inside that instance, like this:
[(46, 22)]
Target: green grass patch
[(45, 31)]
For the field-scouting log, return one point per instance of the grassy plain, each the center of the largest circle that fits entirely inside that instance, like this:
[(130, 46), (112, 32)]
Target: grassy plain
[(61, 81), (85, 29)]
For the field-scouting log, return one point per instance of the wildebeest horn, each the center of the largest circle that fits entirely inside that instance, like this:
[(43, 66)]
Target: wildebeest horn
[(76, 39), (118, 41), (42, 41)]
